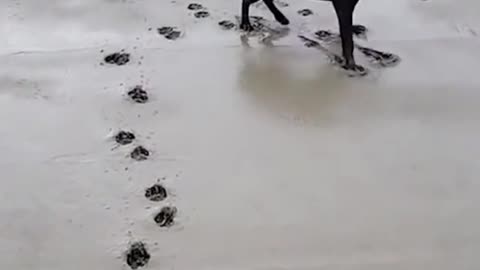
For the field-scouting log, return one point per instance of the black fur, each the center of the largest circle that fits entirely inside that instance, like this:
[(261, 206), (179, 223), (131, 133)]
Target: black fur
[(344, 10)]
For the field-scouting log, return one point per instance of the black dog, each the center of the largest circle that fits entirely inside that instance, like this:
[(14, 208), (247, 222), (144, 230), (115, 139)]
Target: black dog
[(344, 10)]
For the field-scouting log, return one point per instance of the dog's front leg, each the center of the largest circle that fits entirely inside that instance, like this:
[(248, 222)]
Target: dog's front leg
[(245, 20), (344, 10)]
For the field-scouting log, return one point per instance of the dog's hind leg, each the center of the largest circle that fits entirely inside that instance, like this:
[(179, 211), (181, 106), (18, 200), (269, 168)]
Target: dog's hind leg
[(344, 10), (276, 12), (245, 20)]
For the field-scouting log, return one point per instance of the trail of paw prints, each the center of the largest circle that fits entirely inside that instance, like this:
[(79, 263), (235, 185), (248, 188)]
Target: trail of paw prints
[(199, 11), (172, 32), (128, 137), (122, 58), (137, 254), (165, 215)]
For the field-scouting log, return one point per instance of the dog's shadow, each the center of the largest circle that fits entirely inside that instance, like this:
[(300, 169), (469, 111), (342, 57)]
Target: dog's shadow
[(298, 87)]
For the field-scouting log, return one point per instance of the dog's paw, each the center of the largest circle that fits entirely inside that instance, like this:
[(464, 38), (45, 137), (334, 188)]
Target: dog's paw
[(355, 70), (246, 26)]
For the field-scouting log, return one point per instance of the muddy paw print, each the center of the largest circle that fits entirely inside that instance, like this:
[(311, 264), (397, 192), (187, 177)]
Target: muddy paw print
[(305, 12), (140, 153), (124, 137), (156, 193), (138, 95), (201, 14), (194, 6), (226, 24), (169, 32), (166, 216), (117, 58), (137, 255), (359, 30)]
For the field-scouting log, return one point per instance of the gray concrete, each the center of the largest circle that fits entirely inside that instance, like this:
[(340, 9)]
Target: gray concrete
[(274, 159)]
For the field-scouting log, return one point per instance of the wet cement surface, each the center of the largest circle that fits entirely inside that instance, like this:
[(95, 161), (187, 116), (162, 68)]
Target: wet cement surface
[(269, 145)]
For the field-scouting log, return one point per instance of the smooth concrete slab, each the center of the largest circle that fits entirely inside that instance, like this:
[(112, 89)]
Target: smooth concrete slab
[(273, 158)]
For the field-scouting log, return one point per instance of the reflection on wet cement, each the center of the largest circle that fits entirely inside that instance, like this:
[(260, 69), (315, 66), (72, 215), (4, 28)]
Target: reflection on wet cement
[(307, 91)]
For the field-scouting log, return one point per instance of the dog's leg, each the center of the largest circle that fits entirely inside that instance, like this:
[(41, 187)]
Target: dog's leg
[(358, 29), (344, 10), (245, 20), (276, 12)]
